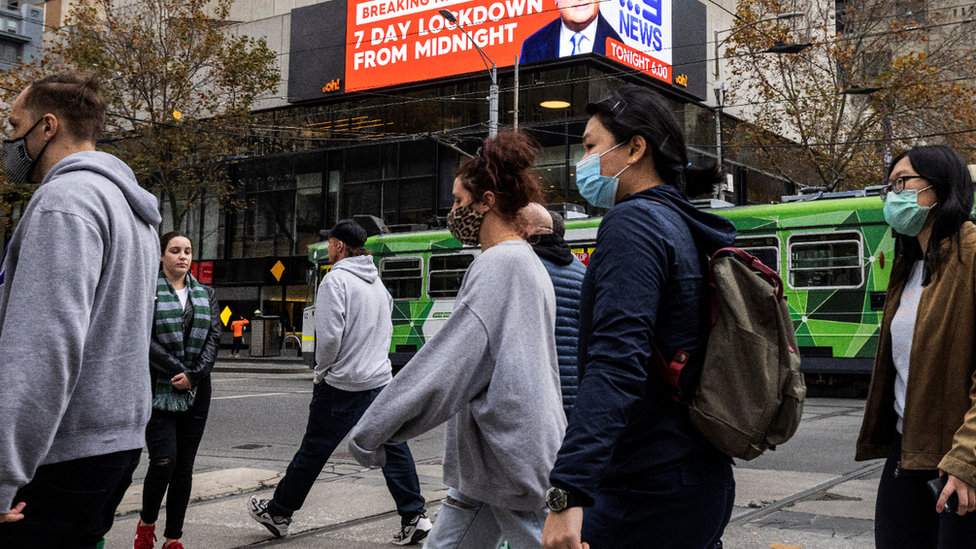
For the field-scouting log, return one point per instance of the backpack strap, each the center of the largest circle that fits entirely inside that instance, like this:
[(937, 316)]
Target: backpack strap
[(750, 261), (670, 373)]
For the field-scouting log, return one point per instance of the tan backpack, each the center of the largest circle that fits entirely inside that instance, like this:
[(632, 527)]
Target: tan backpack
[(750, 394)]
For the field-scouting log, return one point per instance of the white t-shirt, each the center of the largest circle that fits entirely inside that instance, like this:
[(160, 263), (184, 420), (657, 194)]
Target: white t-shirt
[(902, 333), (183, 295)]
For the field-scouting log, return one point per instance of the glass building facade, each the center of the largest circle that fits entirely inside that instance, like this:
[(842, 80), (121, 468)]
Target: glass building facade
[(393, 155)]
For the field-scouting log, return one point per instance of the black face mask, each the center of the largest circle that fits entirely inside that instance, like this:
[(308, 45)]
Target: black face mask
[(17, 163)]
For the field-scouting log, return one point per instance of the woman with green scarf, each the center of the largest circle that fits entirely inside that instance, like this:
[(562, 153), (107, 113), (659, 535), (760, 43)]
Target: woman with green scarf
[(186, 334)]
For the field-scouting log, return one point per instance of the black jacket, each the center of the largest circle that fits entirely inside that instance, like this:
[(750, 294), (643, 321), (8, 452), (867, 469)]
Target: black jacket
[(162, 363), (645, 282)]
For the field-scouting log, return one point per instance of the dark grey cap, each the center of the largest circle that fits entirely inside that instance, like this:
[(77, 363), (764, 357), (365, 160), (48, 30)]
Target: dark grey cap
[(348, 232)]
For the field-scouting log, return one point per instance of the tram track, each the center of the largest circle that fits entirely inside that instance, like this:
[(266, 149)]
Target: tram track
[(809, 493), (739, 520), (341, 525)]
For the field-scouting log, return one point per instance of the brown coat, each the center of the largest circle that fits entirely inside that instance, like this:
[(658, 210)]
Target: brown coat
[(940, 406)]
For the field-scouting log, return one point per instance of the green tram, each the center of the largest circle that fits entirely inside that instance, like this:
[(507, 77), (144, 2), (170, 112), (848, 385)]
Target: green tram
[(834, 252)]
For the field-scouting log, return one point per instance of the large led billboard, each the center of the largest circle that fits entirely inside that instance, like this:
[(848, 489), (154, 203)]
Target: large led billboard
[(390, 42)]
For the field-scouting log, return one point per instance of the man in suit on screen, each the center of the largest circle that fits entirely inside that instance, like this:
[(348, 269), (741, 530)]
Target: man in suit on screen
[(579, 29)]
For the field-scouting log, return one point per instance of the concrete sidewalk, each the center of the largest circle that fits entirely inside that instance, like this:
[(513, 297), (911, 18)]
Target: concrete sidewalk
[(350, 506), (287, 363), (218, 517)]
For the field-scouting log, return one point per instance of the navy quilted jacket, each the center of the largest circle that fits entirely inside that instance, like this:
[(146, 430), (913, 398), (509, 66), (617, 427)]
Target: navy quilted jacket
[(567, 274)]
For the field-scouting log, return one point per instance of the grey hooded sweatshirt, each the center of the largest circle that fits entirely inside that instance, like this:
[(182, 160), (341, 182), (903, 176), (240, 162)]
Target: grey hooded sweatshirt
[(353, 327), (76, 307), (491, 373)]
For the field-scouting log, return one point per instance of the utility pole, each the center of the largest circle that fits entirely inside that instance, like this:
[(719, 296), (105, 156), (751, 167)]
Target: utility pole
[(516, 90), (492, 70), (719, 86)]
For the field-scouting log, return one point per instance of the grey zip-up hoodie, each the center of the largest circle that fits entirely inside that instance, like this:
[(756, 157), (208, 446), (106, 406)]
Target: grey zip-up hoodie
[(491, 373), (353, 327), (76, 307)]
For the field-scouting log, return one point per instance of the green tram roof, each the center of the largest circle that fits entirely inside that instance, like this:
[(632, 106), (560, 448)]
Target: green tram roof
[(829, 213), (420, 241)]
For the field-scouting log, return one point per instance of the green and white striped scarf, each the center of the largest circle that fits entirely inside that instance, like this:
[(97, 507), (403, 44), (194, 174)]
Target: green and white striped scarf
[(169, 332)]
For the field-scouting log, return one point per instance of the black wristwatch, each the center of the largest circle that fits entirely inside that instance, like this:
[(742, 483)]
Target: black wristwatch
[(558, 500)]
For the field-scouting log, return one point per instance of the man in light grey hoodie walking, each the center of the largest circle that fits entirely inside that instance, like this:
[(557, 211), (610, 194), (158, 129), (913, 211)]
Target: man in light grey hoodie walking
[(353, 329), (77, 285)]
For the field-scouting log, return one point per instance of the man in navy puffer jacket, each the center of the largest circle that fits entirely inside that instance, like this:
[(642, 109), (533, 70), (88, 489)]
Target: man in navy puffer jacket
[(566, 272)]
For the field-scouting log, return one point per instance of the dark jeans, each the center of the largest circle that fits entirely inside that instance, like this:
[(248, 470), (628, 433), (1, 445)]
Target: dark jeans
[(173, 439), (71, 505), (238, 344), (686, 507), (904, 514), (331, 415)]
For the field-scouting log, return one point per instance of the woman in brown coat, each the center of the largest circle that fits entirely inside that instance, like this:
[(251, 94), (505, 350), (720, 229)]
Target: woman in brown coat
[(920, 412)]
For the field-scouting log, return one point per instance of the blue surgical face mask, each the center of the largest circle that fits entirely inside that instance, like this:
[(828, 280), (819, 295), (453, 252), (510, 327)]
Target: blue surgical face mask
[(902, 212), (599, 190)]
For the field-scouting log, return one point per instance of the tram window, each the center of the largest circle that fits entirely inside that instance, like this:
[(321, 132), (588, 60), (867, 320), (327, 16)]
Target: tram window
[(403, 277), (826, 260), (446, 274), (766, 248)]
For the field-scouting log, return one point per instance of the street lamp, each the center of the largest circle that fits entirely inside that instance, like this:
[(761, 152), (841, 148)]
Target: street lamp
[(493, 71), (719, 86)]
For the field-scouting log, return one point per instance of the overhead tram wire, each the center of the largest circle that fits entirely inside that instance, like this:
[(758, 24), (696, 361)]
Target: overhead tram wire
[(614, 74), (707, 42), (399, 136), (631, 71), (625, 72), (580, 80)]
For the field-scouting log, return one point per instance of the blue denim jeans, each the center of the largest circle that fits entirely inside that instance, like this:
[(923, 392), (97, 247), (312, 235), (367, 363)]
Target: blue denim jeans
[(686, 507), (71, 505), (331, 415), (466, 523)]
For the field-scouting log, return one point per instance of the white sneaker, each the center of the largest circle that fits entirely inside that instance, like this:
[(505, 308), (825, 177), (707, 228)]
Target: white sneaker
[(414, 531), (258, 508)]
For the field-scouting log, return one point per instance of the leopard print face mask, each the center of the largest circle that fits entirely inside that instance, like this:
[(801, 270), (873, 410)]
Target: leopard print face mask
[(465, 224)]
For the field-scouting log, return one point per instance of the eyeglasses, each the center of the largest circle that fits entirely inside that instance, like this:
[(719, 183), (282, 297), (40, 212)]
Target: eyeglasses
[(896, 186)]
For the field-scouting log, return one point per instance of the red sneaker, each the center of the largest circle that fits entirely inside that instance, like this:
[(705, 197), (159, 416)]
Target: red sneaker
[(174, 545), (145, 536)]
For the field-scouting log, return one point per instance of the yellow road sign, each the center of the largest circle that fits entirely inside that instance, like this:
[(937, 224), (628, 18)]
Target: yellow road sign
[(277, 270)]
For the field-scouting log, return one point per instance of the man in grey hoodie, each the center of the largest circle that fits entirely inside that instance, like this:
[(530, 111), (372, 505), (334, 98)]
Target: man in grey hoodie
[(76, 305), (353, 329)]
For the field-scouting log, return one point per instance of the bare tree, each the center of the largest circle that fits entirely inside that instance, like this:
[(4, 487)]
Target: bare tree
[(878, 77), (180, 88)]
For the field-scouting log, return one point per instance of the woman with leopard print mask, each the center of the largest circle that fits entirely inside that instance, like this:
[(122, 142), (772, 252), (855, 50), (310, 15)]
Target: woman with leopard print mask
[(491, 370)]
